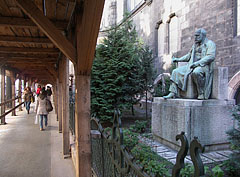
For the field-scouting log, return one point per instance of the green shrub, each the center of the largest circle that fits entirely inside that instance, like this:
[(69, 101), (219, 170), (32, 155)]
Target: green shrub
[(139, 126), (130, 139), (150, 160), (187, 171), (232, 166), (217, 171)]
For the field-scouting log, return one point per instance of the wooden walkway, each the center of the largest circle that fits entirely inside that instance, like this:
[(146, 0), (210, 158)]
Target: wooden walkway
[(25, 151)]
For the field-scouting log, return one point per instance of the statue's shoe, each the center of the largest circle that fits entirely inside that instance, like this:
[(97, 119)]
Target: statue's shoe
[(169, 96), (200, 97)]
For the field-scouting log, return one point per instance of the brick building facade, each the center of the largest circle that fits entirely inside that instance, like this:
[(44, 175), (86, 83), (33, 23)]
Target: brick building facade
[(168, 27)]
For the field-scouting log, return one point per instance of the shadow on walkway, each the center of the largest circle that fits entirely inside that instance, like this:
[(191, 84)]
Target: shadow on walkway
[(25, 151)]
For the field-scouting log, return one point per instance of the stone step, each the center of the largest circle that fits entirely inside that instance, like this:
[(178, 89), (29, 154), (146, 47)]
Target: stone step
[(170, 154)]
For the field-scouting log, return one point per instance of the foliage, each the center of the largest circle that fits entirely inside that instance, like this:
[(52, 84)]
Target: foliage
[(233, 165), (146, 64), (188, 170), (159, 91), (130, 139), (139, 126), (150, 160), (217, 171), (119, 72)]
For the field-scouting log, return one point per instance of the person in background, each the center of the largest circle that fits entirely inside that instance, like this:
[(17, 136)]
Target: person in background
[(38, 90), (49, 92), (41, 109), (44, 91), (28, 97)]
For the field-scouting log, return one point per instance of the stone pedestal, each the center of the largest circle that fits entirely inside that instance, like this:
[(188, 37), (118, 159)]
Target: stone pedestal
[(207, 119)]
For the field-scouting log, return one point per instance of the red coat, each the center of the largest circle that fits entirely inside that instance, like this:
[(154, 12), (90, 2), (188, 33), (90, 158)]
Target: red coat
[(38, 91)]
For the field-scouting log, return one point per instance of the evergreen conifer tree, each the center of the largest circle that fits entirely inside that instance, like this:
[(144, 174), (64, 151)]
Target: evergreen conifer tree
[(147, 71), (233, 165), (117, 76)]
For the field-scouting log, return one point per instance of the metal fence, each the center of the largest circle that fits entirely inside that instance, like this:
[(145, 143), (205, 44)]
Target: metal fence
[(72, 111), (109, 156), (111, 159)]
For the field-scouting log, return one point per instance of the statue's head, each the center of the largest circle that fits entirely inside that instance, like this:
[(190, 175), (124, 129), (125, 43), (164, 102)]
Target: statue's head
[(200, 35)]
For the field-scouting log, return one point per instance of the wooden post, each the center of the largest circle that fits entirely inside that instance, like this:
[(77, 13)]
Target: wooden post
[(56, 97), (8, 92), (20, 93), (3, 94), (60, 103), (65, 108), (13, 92), (86, 33), (82, 126)]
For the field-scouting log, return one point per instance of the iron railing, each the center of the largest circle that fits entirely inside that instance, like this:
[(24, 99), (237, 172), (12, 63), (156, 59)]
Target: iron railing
[(72, 112), (111, 159)]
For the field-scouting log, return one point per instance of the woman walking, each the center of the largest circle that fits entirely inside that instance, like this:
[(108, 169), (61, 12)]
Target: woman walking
[(41, 109), (28, 97)]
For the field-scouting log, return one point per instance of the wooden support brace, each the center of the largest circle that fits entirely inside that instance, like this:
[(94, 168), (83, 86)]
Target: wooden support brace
[(48, 28)]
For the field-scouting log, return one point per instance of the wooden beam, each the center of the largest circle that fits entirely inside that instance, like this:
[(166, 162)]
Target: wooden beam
[(29, 56), (48, 28), (87, 32), (13, 79), (65, 108), (27, 23), (24, 40), (3, 62), (52, 70), (3, 94), (20, 93), (29, 60), (60, 95), (28, 50), (86, 36)]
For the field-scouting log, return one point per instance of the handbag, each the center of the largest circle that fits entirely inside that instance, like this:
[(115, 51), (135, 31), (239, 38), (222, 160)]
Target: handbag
[(32, 99), (49, 106), (36, 119)]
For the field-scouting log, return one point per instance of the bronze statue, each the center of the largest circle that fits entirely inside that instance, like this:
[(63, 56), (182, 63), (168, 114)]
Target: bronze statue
[(200, 67)]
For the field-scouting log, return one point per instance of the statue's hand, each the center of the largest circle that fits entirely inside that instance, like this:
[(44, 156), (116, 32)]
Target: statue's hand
[(193, 65), (174, 59)]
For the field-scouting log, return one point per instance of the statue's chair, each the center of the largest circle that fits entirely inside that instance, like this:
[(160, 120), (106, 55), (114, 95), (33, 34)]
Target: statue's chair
[(219, 86)]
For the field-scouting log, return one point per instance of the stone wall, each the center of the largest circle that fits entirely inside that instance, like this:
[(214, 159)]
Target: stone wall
[(216, 16)]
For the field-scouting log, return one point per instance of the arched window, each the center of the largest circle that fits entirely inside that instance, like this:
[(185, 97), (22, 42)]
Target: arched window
[(238, 16), (131, 4), (161, 38), (173, 35)]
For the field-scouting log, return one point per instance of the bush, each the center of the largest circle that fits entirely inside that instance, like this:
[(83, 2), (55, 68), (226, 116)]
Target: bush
[(153, 164), (232, 166), (139, 126), (130, 139)]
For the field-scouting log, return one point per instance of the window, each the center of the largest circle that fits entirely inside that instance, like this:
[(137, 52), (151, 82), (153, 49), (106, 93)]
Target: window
[(161, 37), (120, 10), (238, 17), (131, 4), (173, 34)]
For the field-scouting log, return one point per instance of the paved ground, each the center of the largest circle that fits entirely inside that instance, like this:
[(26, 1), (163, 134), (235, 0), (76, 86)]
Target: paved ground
[(171, 155), (25, 151)]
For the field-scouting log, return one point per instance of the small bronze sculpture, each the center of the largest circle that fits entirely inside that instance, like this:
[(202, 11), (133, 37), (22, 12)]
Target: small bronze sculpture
[(200, 67)]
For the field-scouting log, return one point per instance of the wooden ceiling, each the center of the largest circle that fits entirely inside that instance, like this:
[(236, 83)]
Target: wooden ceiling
[(24, 48)]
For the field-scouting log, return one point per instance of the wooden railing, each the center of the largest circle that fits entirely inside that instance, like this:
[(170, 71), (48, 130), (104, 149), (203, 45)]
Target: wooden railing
[(12, 109)]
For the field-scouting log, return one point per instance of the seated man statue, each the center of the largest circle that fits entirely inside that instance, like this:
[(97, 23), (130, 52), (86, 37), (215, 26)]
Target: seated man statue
[(200, 67)]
